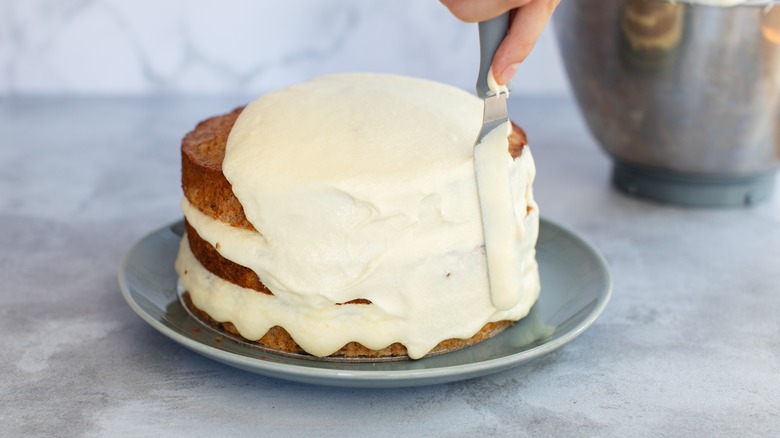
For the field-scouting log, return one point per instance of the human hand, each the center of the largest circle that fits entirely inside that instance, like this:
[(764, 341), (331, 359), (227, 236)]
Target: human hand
[(526, 25)]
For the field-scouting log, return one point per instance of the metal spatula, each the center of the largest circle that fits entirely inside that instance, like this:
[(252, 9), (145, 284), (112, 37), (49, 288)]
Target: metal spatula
[(491, 33)]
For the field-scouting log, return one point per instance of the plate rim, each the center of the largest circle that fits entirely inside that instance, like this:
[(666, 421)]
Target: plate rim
[(311, 373)]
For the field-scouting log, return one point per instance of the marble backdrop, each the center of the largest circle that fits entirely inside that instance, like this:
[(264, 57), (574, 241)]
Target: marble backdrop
[(239, 46)]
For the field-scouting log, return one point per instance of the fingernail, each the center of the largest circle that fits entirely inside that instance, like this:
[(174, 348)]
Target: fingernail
[(508, 73)]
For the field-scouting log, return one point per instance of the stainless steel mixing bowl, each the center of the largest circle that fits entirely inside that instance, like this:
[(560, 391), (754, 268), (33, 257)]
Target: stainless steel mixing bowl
[(684, 97)]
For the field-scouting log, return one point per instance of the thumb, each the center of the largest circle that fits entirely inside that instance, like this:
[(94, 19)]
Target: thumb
[(524, 30)]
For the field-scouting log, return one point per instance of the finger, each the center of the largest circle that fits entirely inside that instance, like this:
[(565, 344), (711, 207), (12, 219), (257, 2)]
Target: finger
[(524, 30), (472, 11)]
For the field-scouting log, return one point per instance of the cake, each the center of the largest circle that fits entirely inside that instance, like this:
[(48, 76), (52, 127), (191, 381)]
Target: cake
[(340, 217)]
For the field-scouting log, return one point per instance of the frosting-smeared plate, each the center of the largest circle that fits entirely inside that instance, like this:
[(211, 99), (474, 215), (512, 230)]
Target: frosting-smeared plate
[(576, 287)]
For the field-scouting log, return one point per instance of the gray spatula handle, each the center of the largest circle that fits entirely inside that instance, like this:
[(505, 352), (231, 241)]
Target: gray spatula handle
[(491, 33)]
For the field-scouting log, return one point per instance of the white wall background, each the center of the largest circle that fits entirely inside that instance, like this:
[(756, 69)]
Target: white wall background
[(239, 46)]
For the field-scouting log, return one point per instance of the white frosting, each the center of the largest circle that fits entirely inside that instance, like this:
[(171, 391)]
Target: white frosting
[(493, 86), (363, 186), (501, 222)]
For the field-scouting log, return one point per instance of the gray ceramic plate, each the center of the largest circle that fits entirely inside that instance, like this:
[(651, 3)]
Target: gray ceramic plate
[(575, 289)]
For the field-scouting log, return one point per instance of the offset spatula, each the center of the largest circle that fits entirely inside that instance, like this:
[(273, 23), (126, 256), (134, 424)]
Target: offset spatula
[(491, 33), (491, 165)]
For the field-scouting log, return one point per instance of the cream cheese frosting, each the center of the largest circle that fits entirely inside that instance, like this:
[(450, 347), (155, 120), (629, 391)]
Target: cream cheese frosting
[(493, 85), (363, 186), (501, 227)]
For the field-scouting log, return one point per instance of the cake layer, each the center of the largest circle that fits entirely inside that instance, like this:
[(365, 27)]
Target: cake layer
[(202, 153), (211, 260), (209, 257), (204, 185)]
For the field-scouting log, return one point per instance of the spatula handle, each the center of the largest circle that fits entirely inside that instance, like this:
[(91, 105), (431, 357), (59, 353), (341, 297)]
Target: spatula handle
[(491, 33)]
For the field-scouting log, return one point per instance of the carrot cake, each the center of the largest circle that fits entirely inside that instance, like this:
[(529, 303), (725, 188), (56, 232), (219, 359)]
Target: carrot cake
[(340, 217)]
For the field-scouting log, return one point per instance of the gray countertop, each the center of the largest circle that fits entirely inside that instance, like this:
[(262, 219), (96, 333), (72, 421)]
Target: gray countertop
[(688, 346)]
